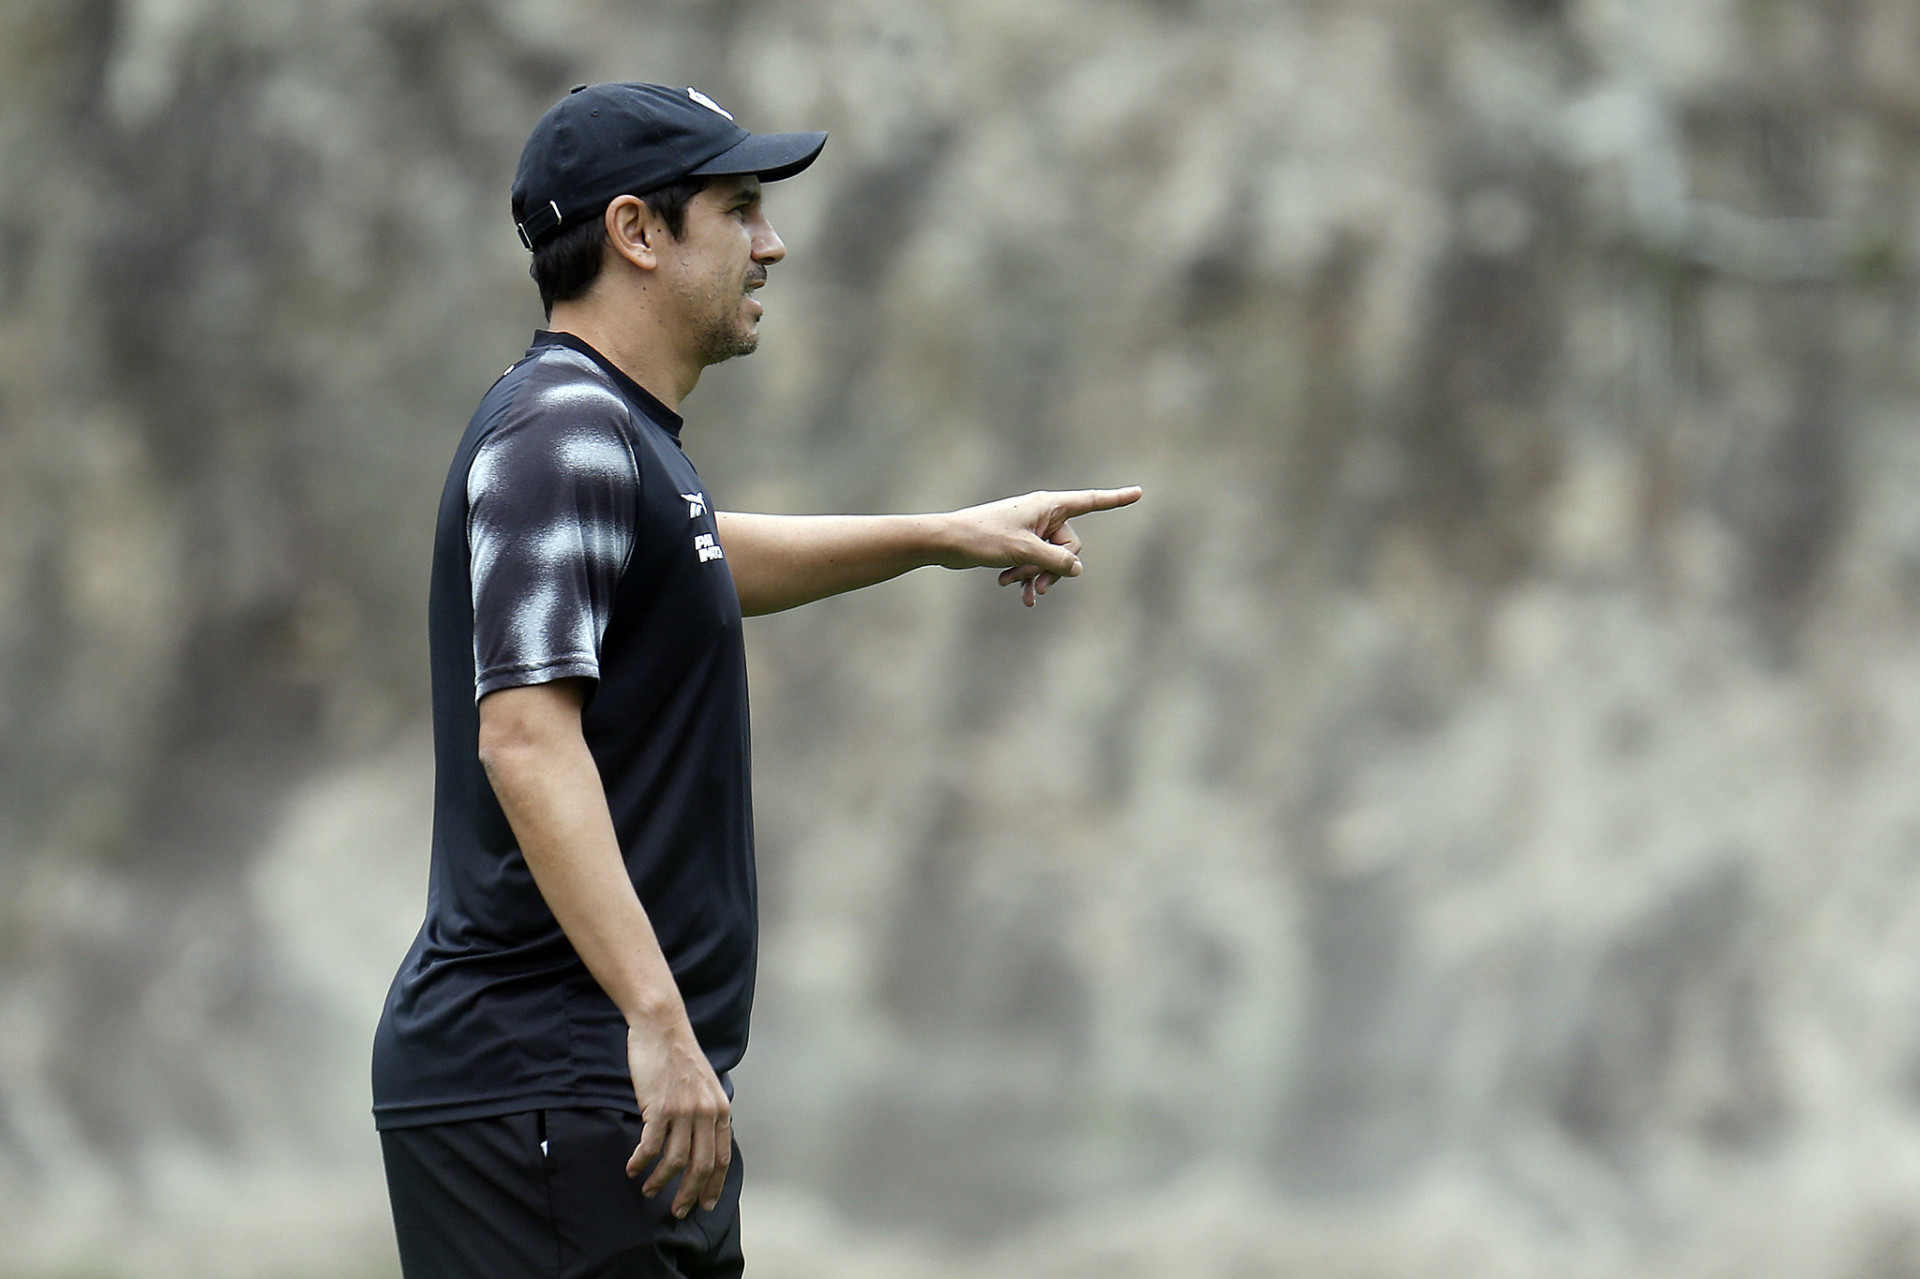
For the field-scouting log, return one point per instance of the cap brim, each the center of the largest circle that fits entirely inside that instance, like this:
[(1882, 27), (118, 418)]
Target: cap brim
[(768, 156)]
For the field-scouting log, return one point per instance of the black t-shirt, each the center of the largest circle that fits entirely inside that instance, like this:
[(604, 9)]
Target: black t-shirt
[(575, 540)]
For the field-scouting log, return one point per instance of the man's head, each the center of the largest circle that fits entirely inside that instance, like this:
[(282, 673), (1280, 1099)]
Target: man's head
[(566, 263), (604, 142)]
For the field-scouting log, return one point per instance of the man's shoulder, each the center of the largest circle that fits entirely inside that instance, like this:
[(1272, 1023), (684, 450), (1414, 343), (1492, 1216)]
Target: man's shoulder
[(551, 396), (555, 381), (554, 414)]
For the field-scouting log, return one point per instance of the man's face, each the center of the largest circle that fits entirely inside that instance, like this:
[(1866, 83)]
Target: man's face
[(723, 257)]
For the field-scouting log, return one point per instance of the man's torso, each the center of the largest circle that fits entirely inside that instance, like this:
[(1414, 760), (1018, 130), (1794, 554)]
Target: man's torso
[(575, 541)]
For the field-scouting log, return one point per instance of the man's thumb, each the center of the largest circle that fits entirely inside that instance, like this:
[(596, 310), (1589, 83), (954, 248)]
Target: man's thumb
[(1055, 559)]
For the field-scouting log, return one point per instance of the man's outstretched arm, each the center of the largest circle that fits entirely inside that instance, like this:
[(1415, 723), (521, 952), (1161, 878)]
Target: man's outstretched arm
[(781, 561), (533, 751)]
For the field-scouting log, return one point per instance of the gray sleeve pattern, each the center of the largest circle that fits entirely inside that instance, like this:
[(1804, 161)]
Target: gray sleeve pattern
[(551, 506)]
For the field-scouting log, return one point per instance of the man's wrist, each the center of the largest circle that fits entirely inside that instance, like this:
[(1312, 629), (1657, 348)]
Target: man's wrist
[(939, 539), (657, 1014)]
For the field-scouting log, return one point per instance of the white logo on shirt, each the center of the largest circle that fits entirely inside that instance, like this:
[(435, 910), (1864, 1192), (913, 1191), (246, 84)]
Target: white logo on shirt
[(707, 549), (708, 103), (696, 504)]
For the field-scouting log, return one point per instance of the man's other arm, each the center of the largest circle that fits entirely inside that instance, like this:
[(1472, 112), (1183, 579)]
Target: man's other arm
[(533, 751), (782, 561)]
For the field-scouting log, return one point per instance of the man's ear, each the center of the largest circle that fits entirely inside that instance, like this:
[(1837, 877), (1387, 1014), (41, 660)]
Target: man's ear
[(634, 232)]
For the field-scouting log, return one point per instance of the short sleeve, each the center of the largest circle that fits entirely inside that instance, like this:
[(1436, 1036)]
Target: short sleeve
[(551, 509)]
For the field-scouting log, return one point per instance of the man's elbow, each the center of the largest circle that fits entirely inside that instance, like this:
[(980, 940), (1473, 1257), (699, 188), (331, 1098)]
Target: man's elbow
[(503, 743), (521, 725)]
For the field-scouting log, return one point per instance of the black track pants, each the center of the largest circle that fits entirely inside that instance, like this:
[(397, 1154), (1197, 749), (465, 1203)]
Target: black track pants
[(482, 1200)]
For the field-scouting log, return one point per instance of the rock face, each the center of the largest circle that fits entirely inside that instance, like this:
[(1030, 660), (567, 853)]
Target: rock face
[(1463, 823)]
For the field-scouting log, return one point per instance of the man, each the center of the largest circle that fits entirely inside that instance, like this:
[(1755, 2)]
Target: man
[(554, 1052)]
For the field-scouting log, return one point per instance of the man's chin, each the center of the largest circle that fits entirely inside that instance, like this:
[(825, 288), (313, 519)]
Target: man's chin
[(727, 346)]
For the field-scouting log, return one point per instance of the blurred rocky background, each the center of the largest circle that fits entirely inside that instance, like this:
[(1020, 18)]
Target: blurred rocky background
[(1465, 823)]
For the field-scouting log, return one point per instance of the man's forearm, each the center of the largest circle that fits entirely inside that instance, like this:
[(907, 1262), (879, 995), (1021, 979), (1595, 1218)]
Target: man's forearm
[(783, 561)]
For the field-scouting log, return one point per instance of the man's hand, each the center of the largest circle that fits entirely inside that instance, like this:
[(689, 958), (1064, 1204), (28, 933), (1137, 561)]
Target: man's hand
[(687, 1121), (1029, 536)]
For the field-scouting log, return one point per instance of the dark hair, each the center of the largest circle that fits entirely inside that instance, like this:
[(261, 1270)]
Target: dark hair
[(566, 266)]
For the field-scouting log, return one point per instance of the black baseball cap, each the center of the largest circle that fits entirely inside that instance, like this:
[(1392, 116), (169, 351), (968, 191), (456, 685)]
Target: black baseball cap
[(603, 141)]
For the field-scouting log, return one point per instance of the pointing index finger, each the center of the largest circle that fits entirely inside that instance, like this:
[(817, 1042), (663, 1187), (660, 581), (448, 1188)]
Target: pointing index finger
[(1086, 500)]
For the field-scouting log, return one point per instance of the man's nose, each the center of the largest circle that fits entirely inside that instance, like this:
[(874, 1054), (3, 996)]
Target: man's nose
[(767, 247)]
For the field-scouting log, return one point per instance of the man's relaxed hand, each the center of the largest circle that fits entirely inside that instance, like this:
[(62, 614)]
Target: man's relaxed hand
[(687, 1120), (1029, 537)]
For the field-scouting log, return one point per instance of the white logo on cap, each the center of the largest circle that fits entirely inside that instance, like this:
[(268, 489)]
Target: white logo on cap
[(708, 103)]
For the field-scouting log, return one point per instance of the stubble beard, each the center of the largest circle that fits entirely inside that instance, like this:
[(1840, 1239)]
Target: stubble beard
[(727, 334), (724, 339)]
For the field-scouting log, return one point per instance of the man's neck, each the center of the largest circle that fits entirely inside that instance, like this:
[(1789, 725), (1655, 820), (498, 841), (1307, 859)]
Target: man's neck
[(635, 342)]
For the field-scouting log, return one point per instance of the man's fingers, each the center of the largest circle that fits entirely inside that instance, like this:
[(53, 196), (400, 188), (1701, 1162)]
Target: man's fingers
[(673, 1157), (1085, 500), (652, 1133), (723, 1159), (699, 1167), (1037, 581), (716, 1183)]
